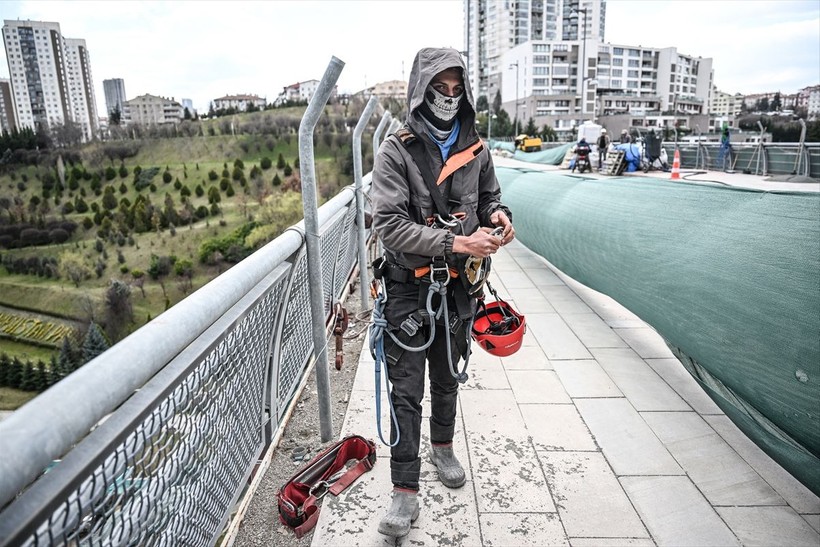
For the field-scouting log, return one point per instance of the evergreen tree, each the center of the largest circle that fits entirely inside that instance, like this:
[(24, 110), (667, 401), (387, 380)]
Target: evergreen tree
[(15, 375), (5, 368), (94, 343), (54, 371), (42, 381), (67, 361), (29, 381)]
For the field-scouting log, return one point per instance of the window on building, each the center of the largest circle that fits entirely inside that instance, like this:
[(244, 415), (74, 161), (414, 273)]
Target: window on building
[(632, 73), (634, 62), (634, 53), (618, 51), (617, 62), (617, 72)]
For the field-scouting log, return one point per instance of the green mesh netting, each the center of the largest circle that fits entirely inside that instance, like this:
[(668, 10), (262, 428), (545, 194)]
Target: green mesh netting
[(729, 277)]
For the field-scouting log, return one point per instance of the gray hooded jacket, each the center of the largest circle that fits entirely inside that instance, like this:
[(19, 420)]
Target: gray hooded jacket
[(401, 199)]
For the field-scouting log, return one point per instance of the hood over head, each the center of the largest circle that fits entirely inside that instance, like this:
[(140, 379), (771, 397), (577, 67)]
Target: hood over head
[(429, 62)]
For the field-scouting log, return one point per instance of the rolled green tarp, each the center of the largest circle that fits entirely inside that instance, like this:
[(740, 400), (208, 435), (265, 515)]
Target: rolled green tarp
[(550, 156), (729, 277)]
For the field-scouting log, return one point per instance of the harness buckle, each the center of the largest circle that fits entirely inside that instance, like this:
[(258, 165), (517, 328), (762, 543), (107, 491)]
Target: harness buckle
[(452, 222), (411, 325), (323, 485), (439, 271)]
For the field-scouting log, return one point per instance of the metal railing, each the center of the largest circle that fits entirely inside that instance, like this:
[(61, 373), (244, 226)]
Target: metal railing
[(764, 159), (154, 441)]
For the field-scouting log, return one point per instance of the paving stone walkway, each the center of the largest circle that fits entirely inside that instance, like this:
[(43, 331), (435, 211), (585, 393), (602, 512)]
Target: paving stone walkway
[(593, 434)]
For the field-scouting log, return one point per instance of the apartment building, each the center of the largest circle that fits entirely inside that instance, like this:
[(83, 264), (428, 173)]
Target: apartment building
[(6, 106), (395, 89), (545, 79), (725, 104), (82, 101), (50, 76), (300, 91), (151, 110), (493, 27), (114, 90), (239, 102)]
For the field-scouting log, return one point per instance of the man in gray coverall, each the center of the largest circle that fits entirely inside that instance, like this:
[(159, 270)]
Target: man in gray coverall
[(441, 126)]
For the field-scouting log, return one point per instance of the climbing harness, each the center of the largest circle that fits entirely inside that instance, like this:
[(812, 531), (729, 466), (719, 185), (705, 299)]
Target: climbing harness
[(497, 327), (299, 498)]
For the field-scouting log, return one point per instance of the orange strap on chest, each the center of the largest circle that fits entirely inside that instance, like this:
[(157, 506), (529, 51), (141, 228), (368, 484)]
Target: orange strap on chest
[(457, 161)]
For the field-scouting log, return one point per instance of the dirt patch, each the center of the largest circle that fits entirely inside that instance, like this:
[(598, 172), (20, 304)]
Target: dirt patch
[(260, 525)]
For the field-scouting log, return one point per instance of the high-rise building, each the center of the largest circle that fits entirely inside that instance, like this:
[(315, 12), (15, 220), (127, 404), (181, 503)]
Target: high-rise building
[(493, 27), (114, 90), (50, 76), (6, 106)]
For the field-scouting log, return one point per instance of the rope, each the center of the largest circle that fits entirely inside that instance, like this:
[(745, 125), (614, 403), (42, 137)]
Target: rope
[(379, 326)]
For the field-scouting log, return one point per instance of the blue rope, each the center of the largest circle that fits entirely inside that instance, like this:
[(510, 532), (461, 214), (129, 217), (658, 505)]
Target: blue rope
[(377, 330)]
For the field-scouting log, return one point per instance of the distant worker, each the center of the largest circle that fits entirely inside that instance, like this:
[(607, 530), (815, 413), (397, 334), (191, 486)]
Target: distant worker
[(624, 136), (603, 146), (725, 149), (582, 151)]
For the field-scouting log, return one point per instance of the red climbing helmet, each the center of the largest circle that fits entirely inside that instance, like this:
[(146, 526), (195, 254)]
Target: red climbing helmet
[(498, 328)]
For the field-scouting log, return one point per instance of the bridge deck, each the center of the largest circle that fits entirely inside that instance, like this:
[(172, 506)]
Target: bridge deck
[(592, 434)]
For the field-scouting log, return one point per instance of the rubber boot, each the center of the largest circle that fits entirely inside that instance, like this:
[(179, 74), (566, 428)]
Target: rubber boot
[(403, 511), (450, 472)]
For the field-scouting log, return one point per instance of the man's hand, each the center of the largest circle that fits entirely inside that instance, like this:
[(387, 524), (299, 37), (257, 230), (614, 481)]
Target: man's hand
[(499, 218), (481, 243)]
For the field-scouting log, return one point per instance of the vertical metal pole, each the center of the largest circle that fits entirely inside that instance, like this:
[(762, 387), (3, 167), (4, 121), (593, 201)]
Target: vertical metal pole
[(309, 205), (394, 126), (364, 284), (378, 133)]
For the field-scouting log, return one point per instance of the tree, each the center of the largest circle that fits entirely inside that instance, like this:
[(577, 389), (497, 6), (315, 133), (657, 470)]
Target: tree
[(118, 309), (115, 116), (531, 129), (481, 103), (186, 114), (497, 102), (94, 343), (67, 362), (73, 267), (777, 103)]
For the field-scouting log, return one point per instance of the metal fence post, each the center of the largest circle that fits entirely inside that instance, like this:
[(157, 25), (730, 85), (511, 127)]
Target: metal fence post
[(364, 284), (378, 133), (394, 126), (309, 205)]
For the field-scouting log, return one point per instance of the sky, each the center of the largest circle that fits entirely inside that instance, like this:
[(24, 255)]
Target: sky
[(202, 50)]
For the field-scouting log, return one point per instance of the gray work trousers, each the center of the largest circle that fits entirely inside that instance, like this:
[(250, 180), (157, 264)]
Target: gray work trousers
[(405, 369)]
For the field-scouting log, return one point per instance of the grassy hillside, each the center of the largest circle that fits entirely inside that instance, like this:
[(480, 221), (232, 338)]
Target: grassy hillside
[(211, 180)]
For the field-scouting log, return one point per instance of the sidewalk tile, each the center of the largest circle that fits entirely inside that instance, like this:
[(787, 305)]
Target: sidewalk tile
[(530, 301), (522, 529), (717, 470), (516, 279), (592, 331), (790, 489), (527, 358), (563, 299), (557, 427), (673, 372), (676, 513), (646, 342), (611, 542), (764, 526), (537, 386), (585, 379), (505, 467), (555, 337), (542, 277), (486, 378), (814, 521), (588, 496), (641, 385), (628, 443)]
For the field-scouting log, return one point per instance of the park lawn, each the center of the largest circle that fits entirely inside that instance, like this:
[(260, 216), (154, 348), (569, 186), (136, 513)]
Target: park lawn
[(26, 352), (12, 399)]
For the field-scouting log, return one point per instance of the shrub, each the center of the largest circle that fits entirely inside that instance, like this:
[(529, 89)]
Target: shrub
[(212, 175), (166, 177), (265, 163)]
